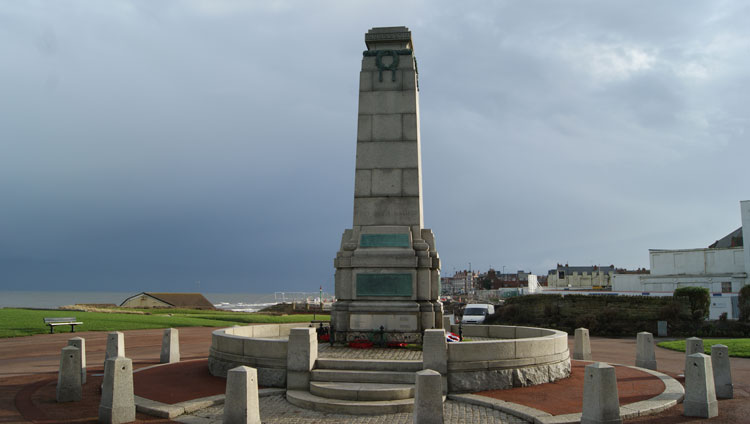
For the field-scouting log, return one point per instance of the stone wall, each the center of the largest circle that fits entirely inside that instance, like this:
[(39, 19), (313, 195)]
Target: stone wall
[(263, 347), (517, 357), (502, 357)]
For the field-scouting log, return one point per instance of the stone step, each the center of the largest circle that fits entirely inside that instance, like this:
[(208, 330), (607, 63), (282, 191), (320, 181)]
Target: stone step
[(368, 365), (361, 391), (357, 376), (310, 401)]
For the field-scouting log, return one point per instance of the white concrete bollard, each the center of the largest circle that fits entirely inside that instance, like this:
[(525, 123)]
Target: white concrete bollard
[(241, 403), (722, 371), (446, 322), (117, 404), (582, 349), (601, 403), (428, 399), (700, 393), (170, 346), (645, 357), (692, 345), (435, 354), (69, 376), (302, 352), (80, 343), (115, 346)]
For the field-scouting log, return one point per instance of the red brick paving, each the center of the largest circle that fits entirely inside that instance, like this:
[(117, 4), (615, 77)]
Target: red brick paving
[(36, 403), (186, 381), (566, 396)]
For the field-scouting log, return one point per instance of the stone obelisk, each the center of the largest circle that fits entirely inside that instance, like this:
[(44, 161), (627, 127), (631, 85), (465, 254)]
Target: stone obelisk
[(387, 270)]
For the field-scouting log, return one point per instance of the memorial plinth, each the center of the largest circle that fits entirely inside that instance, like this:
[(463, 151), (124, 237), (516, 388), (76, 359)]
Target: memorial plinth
[(387, 270)]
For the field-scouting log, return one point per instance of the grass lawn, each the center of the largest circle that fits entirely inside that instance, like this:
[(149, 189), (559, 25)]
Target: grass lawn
[(25, 322), (737, 347)]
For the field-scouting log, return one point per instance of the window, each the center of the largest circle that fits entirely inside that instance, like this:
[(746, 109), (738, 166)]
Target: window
[(726, 286), (561, 275)]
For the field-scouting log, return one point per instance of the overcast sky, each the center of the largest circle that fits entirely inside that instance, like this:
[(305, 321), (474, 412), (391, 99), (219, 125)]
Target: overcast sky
[(149, 145)]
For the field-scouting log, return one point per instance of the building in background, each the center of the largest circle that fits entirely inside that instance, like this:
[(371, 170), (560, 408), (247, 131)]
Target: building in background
[(581, 277), (493, 280), (722, 268), (462, 282), (167, 300)]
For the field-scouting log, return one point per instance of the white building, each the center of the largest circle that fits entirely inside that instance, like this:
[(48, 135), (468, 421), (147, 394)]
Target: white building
[(722, 270)]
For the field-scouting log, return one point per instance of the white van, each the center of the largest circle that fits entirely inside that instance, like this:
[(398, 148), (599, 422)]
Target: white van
[(475, 313)]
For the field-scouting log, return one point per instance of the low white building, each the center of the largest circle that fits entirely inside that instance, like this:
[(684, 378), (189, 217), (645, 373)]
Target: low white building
[(721, 270)]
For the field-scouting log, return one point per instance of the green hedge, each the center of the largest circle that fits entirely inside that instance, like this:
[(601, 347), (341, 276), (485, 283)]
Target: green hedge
[(744, 302), (603, 315), (699, 298)]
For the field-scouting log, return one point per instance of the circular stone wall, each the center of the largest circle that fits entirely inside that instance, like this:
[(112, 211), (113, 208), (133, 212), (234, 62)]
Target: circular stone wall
[(503, 357), (263, 347), (494, 357)]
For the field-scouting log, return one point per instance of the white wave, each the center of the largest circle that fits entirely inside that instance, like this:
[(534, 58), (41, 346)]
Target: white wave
[(243, 307)]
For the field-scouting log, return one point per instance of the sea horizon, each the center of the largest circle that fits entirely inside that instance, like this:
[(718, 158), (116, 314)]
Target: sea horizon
[(40, 299)]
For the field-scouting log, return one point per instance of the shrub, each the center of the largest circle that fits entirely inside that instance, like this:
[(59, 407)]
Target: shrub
[(510, 313), (744, 302), (588, 321), (700, 300), (670, 312)]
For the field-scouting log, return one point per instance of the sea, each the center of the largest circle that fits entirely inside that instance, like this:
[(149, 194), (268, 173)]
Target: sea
[(245, 302)]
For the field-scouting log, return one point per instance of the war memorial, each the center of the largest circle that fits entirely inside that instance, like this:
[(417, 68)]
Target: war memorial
[(387, 280), (387, 286), (387, 290), (388, 270)]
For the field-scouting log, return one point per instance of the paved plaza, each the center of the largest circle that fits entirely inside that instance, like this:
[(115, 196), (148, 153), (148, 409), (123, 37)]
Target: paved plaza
[(28, 371), (276, 410)]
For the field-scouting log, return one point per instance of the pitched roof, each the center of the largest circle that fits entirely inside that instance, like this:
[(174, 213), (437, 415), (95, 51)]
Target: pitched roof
[(181, 300), (733, 239)]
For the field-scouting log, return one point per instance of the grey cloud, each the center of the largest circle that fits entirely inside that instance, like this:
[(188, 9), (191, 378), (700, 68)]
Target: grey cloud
[(155, 144)]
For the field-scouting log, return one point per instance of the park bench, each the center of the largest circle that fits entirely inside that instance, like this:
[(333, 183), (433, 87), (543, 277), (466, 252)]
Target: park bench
[(71, 321)]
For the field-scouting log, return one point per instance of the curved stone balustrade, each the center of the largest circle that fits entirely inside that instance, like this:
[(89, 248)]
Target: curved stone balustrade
[(501, 357), (263, 347), (512, 357)]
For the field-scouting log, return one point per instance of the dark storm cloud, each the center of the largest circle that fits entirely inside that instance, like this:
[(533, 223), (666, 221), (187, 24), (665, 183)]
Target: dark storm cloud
[(155, 144)]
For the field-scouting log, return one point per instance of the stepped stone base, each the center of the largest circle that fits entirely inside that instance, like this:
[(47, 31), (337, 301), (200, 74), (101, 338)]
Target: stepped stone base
[(309, 401), (362, 391), (357, 376)]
